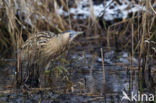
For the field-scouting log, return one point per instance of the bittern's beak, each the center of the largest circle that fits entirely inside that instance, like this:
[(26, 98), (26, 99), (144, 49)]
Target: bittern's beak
[(75, 34)]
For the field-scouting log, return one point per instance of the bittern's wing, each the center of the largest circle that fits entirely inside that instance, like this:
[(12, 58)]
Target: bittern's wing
[(39, 39)]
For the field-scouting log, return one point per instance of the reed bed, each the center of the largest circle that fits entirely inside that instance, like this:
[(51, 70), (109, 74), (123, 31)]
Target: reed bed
[(20, 19)]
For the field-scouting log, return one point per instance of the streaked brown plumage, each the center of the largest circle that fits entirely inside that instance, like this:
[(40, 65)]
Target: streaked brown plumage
[(39, 50), (44, 46)]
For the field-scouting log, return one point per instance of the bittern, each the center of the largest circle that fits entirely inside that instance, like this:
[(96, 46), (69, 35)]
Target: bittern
[(44, 46), (40, 49)]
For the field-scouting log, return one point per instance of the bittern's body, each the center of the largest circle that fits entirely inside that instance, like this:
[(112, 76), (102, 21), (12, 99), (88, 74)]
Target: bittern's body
[(39, 49), (44, 46)]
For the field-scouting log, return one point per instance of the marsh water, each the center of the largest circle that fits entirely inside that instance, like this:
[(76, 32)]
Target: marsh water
[(95, 74), (94, 79)]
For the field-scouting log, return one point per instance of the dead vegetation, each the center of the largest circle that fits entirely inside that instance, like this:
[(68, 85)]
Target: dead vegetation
[(20, 19)]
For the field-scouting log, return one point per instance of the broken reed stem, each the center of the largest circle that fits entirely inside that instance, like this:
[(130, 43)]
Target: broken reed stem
[(132, 50), (103, 69), (18, 59), (103, 72), (18, 70), (132, 53)]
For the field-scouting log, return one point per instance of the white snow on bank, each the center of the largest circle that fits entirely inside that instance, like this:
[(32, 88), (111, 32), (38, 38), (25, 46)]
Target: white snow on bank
[(110, 9)]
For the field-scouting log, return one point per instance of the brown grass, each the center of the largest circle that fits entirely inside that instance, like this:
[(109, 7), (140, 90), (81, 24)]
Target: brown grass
[(17, 24)]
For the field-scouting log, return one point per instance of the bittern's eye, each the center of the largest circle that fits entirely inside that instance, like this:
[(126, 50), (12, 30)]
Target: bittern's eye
[(71, 35)]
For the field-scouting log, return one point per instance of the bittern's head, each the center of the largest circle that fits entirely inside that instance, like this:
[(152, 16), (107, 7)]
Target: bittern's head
[(72, 34)]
